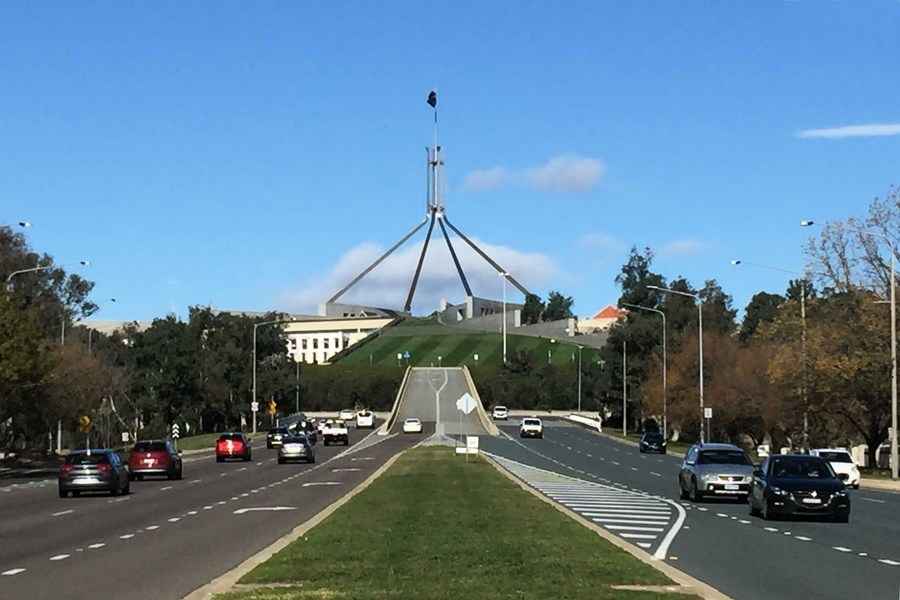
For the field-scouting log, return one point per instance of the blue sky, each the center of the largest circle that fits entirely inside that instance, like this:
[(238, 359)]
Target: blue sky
[(250, 155)]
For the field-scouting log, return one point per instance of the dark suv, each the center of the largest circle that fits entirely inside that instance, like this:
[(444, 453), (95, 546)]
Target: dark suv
[(155, 457), (652, 441), (93, 471), (275, 437), (233, 445)]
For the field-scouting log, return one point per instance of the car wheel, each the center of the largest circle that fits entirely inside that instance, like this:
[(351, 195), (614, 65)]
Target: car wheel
[(696, 496), (63, 494), (219, 459), (115, 491), (280, 461), (127, 489), (841, 518), (171, 476), (855, 486), (132, 477), (765, 513), (180, 473), (312, 459), (682, 493), (140, 476)]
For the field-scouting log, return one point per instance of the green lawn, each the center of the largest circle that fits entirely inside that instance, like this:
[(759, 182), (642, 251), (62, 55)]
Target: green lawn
[(434, 527), (427, 342)]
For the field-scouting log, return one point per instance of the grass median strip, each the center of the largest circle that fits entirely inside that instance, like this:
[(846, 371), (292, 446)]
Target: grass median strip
[(435, 527)]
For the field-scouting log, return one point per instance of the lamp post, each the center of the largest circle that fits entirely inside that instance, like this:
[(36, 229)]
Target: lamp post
[(664, 367), (504, 275), (9, 278), (699, 302), (890, 244), (580, 348), (624, 389)]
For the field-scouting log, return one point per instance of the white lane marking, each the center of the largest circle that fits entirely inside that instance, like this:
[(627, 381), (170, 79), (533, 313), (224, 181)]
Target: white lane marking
[(220, 502), (245, 494), (127, 536), (242, 469), (117, 500), (195, 481), (223, 474), (640, 506), (888, 561), (638, 536), (634, 468), (616, 463), (12, 572), (362, 458), (60, 557), (863, 554), (174, 519), (316, 483), (772, 529), (97, 545), (841, 549), (643, 544), (242, 511), (208, 507), (63, 512), (655, 474), (192, 512), (744, 522), (802, 538), (871, 500), (633, 528), (345, 470), (234, 497), (259, 464), (628, 520), (629, 511), (163, 489), (701, 509), (721, 515), (787, 533)]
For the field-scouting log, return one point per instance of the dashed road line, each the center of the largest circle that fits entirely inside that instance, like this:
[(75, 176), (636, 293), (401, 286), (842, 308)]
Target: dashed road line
[(96, 546), (60, 557), (841, 549), (12, 572), (63, 512)]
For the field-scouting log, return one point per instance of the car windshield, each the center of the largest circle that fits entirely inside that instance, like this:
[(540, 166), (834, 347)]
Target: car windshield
[(231, 436), (500, 408), (280, 430), (836, 457), (150, 447), (531, 422), (412, 421), (723, 457), (295, 439), (653, 437), (802, 468), (87, 459)]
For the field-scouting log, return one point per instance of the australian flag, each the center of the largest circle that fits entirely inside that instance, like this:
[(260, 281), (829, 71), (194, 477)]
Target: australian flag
[(432, 99)]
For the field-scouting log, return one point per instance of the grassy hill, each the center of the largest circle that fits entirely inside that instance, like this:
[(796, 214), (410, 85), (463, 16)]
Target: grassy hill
[(426, 340)]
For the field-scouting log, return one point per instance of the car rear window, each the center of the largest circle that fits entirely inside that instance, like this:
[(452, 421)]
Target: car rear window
[(281, 430), (531, 422), (150, 447), (412, 420), (723, 457), (85, 459), (232, 436), (499, 408), (802, 468), (837, 457), (653, 437)]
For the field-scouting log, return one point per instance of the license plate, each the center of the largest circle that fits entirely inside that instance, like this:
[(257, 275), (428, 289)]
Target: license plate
[(811, 501), (149, 461), (86, 480), (732, 486)]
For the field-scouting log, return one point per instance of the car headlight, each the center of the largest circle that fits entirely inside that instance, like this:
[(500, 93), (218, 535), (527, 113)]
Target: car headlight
[(777, 491), (841, 494)]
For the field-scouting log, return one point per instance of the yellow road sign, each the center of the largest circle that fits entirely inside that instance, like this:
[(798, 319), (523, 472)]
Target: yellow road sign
[(84, 424)]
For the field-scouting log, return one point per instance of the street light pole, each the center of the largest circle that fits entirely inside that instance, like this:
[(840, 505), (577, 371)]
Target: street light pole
[(624, 388), (664, 365), (504, 276), (699, 301), (9, 278), (579, 379)]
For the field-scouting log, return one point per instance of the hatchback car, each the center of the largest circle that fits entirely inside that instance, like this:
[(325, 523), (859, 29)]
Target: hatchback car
[(715, 470), (296, 446), (842, 463), (233, 445), (155, 457), (93, 471), (798, 485), (531, 427), (412, 425), (652, 441), (347, 415), (500, 413), (365, 419), (274, 437)]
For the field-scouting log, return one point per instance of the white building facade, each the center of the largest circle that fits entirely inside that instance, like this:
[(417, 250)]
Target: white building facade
[(317, 340)]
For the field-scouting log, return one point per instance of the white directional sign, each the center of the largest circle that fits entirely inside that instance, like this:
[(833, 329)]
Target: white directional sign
[(254, 406), (707, 413), (125, 436), (176, 432), (466, 403)]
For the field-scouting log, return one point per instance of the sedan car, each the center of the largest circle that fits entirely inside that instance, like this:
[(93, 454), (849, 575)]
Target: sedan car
[(296, 447), (233, 445), (274, 437), (500, 413), (93, 471), (347, 414), (412, 425), (155, 457), (531, 427), (652, 441), (798, 485), (715, 470), (842, 463), (365, 419)]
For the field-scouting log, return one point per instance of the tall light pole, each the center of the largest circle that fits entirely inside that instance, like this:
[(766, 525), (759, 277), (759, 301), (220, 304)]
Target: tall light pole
[(664, 367), (699, 302), (579, 378), (890, 244), (9, 278), (624, 388), (504, 275)]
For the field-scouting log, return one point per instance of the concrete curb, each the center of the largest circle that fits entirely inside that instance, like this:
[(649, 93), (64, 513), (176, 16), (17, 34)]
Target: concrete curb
[(389, 422), (223, 583), (694, 585), (880, 485)]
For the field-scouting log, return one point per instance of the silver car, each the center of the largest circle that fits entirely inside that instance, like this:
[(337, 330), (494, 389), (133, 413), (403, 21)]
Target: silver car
[(296, 447), (719, 470)]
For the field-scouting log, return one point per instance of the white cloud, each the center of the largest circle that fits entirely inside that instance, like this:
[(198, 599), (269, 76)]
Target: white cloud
[(686, 247), (836, 133), (567, 173), (486, 179), (388, 285), (601, 241)]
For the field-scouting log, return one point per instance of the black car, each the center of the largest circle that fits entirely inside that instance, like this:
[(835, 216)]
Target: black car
[(798, 485), (652, 441), (307, 428), (93, 471), (275, 436)]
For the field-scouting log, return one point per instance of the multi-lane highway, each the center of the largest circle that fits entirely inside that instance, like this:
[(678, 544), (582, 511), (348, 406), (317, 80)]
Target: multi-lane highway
[(167, 538), (635, 496)]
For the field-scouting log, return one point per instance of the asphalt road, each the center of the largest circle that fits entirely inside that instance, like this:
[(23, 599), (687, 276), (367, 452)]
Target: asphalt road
[(169, 537), (718, 541), (430, 395)]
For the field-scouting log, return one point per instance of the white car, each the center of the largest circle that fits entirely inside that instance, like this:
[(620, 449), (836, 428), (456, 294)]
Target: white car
[(322, 424), (842, 463), (336, 433), (500, 413), (412, 425), (365, 419), (347, 415), (531, 427)]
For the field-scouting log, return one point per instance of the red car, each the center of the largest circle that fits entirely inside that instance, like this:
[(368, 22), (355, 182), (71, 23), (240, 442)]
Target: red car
[(154, 457), (233, 445)]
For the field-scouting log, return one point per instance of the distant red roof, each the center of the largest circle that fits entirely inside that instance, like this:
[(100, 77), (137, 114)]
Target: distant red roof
[(610, 312)]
